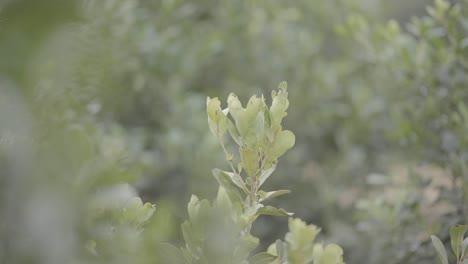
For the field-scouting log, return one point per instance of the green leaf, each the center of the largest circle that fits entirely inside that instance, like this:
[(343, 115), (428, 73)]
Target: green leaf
[(189, 237), (262, 258), (300, 234), (441, 253), (281, 251), (249, 158), (283, 142), (260, 125), (213, 108), (331, 254), (265, 175), (268, 195), (278, 108), (245, 118), (233, 132), (213, 127), (457, 234), (233, 191), (464, 245), (193, 207), (147, 212), (216, 116), (170, 254), (283, 85), (247, 243), (234, 106), (237, 180), (270, 210)]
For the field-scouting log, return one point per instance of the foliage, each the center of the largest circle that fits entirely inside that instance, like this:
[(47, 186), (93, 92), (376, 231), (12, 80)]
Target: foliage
[(222, 231), (458, 243), (94, 94)]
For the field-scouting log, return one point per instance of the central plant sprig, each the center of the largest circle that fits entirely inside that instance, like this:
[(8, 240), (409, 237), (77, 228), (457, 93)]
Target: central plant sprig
[(219, 232), (257, 131)]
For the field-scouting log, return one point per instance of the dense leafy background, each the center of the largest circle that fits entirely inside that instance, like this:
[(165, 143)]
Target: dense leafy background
[(96, 94)]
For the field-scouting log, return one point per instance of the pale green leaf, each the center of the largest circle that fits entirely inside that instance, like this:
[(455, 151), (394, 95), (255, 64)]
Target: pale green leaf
[(247, 243), (331, 254), (234, 192), (262, 258), (237, 180), (270, 210), (265, 175), (300, 234), (268, 195), (193, 207), (282, 251), (168, 253), (260, 125), (233, 132), (278, 108), (283, 85), (457, 234), (213, 127), (234, 106), (213, 108), (189, 237), (464, 246), (441, 253), (283, 142), (249, 159)]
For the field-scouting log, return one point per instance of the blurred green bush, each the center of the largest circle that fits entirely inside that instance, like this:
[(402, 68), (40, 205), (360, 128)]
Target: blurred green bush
[(94, 94)]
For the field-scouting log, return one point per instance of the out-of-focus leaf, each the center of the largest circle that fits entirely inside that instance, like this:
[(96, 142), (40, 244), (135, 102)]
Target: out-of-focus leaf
[(331, 254), (464, 245), (457, 234), (168, 253), (262, 258), (441, 253)]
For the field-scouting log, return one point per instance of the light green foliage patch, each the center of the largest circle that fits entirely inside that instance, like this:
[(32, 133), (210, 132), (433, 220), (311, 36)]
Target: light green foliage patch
[(221, 231)]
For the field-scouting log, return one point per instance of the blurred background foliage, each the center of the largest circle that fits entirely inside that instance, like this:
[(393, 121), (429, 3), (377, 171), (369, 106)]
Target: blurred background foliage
[(96, 94)]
